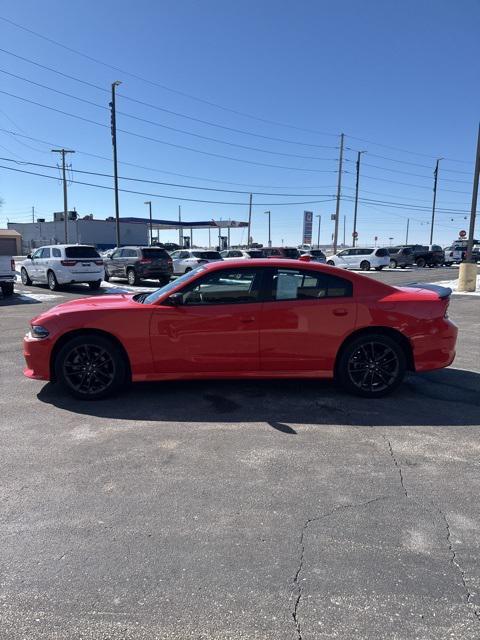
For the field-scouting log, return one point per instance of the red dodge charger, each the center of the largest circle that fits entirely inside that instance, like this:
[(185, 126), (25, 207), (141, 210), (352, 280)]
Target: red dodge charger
[(246, 319)]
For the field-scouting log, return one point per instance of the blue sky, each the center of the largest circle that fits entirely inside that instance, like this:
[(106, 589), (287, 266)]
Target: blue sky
[(397, 74)]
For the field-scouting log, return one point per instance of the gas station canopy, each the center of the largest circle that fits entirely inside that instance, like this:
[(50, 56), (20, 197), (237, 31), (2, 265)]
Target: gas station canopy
[(184, 224)]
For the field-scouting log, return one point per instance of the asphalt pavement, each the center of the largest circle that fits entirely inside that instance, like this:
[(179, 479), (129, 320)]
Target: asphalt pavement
[(240, 510)]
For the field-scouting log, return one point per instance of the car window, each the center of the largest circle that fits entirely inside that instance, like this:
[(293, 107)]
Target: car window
[(37, 253), (79, 251), (129, 253), (116, 254), (46, 253), (344, 253), (225, 254), (175, 255), (235, 254), (290, 284), (381, 253), (255, 254), (155, 254), (206, 255), (291, 253), (56, 253), (229, 286), (183, 255)]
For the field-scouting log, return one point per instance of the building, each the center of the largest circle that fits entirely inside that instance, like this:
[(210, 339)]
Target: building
[(10, 242), (100, 233)]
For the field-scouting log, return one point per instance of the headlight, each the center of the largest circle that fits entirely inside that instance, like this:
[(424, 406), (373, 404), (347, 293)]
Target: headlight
[(38, 331)]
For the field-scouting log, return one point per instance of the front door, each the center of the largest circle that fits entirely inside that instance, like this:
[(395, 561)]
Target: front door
[(215, 329), (307, 316)]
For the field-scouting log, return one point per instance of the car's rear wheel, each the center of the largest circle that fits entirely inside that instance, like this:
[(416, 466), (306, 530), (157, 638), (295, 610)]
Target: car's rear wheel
[(52, 281), (188, 269), (365, 265), (94, 286), (7, 289), (132, 277), (420, 262), (393, 264), (372, 366), (331, 263), (90, 367), (25, 277)]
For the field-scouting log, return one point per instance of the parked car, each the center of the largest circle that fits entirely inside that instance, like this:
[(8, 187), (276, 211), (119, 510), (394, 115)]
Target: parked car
[(281, 252), (242, 254), (139, 263), (316, 255), (364, 258), (7, 268), (427, 256), (457, 252), (61, 264), (239, 319), (187, 259), (452, 256), (400, 257)]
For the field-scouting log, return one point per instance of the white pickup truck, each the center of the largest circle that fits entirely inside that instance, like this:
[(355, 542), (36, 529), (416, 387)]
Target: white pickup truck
[(7, 270)]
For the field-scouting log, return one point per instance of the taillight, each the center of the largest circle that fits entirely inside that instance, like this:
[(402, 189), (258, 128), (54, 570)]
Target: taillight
[(99, 262), (12, 264), (145, 261), (68, 263)]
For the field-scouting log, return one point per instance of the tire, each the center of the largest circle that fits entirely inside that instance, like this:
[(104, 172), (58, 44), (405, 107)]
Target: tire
[(365, 265), (94, 286), (164, 280), (25, 277), (7, 289), (420, 262), (331, 263), (106, 277), (52, 281), (393, 264), (378, 268), (132, 277), (355, 368), (403, 266), (188, 269), (105, 367)]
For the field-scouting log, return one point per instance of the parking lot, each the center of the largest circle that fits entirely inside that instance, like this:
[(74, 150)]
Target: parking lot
[(235, 510)]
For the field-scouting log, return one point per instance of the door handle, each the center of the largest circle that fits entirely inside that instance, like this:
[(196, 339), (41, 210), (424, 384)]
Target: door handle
[(340, 312)]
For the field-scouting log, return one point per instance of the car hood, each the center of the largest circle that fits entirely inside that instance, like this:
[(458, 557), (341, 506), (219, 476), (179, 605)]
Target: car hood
[(100, 303)]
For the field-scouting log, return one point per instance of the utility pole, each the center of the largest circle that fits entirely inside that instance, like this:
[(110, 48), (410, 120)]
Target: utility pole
[(180, 239), (269, 228), (249, 220), (406, 237), (113, 120), (151, 225), (435, 173), (473, 211), (63, 152), (339, 190), (318, 236), (344, 225), (359, 155), (33, 214)]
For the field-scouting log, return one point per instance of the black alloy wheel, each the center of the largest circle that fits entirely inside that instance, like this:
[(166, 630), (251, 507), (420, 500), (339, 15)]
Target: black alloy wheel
[(25, 277), (420, 262), (90, 367), (371, 366)]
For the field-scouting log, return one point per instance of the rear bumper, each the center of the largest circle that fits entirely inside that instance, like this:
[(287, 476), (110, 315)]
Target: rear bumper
[(436, 349), (154, 272), (37, 358), (67, 277)]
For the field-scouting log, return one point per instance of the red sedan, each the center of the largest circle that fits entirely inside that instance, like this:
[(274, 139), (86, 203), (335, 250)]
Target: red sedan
[(258, 319)]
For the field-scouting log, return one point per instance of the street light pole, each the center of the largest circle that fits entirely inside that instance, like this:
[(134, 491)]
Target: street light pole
[(64, 178), (359, 155), (150, 215), (115, 164), (406, 237), (269, 228), (435, 173), (318, 236)]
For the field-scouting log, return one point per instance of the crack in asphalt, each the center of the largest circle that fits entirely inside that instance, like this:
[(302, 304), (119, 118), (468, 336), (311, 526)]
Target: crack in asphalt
[(296, 584), (399, 468)]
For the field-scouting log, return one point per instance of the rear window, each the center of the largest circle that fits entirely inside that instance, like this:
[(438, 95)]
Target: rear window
[(436, 247), (291, 253), (255, 254), (381, 253), (81, 252), (317, 253), (155, 254), (207, 255)]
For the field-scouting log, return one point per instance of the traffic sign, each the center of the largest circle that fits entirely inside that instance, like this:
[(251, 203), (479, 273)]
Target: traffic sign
[(463, 234), (355, 234)]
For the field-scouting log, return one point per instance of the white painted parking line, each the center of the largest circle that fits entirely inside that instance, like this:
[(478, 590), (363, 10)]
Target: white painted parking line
[(33, 295)]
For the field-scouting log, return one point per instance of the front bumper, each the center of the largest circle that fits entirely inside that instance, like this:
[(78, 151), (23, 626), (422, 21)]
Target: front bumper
[(37, 357)]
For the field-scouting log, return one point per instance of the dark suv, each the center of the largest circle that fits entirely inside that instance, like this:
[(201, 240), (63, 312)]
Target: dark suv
[(400, 257), (137, 263), (281, 252)]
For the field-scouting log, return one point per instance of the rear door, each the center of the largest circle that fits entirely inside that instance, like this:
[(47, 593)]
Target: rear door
[(305, 318), (113, 263), (43, 264)]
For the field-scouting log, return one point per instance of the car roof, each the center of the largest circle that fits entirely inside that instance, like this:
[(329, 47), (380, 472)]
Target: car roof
[(64, 246)]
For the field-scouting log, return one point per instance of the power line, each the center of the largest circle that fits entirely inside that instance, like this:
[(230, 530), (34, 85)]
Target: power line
[(414, 164), (407, 173), (408, 184), (169, 111), (170, 144), (157, 195)]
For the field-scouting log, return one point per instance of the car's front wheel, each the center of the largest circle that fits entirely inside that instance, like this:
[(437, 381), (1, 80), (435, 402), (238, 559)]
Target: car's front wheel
[(372, 366), (52, 281), (331, 263), (25, 277), (90, 367), (365, 265)]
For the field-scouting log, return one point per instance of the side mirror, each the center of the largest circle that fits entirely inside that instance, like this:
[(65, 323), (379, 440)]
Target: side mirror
[(29, 256), (176, 299)]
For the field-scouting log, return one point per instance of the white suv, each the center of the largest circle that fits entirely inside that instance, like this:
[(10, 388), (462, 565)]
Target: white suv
[(185, 260), (63, 264), (361, 258)]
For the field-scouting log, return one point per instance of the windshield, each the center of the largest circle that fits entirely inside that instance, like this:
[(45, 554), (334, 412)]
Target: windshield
[(81, 252), (291, 253), (207, 255), (153, 297)]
